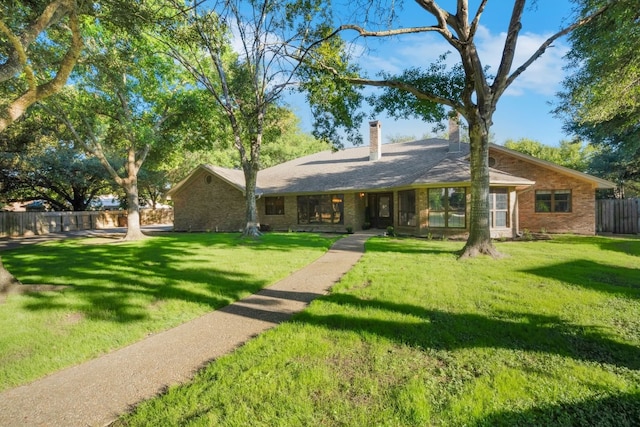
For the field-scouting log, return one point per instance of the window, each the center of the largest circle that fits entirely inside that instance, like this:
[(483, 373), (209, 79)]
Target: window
[(407, 209), (499, 207), (321, 209), (553, 201), (447, 207), (274, 205)]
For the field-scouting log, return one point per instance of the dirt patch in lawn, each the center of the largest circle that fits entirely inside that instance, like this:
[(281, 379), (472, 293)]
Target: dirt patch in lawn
[(19, 288)]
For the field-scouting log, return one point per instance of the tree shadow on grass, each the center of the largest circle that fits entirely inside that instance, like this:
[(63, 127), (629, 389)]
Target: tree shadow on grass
[(620, 281), (447, 331), (621, 410), (622, 244), (124, 283)]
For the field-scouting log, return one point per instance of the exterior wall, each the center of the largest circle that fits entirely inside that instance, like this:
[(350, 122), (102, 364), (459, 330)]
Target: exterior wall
[(354, 208), (353, 214), (279, 222), (208, 206), (581, 219)]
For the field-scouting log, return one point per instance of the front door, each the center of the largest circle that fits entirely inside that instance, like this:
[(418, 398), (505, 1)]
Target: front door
[(381, 209)]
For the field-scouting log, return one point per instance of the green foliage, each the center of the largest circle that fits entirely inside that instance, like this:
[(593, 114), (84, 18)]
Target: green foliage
[(59, 174), (600, 101), (126, 101), (245, 83), (334, 101), (40, 43), (437, 80), (620, 164), (289, 142), (574, 155), (606, 62)]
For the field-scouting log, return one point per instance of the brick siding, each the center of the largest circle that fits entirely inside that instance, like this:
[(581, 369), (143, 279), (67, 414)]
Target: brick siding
[(208, 205), (581, 219), (353, 216), (212, 204)]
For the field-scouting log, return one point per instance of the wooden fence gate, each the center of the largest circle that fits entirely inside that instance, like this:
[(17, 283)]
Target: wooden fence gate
[(618, 216)]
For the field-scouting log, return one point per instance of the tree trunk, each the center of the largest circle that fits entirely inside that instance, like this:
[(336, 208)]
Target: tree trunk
[(134, 232), (479, 241), (252, 227)]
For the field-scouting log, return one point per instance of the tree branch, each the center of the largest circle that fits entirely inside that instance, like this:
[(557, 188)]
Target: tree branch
[(509, 49), (396, 84), (541, 50), (385, 33), (16, 59), (17, 107)]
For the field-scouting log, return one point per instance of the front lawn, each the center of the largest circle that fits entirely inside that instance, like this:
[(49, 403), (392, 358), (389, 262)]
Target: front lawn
[(549, 335), (117, 293)]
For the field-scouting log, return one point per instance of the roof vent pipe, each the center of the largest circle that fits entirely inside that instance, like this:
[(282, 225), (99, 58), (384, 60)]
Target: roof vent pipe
[(375, 140), (454, 134)]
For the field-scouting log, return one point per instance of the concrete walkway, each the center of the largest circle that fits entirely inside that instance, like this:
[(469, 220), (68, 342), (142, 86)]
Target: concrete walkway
[(96, 392)]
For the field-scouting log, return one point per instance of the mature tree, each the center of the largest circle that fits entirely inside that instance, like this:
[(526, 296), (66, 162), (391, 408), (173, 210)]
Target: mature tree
[(58, 174), (122, 95), (240, 53), (40, 43), (467, 89), (604, 86), (619, 164), (571, 154), (601, 98), (285, 140)]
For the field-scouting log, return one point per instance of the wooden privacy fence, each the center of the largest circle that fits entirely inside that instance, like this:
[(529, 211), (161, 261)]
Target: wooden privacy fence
[(618, 216), (31, 223)]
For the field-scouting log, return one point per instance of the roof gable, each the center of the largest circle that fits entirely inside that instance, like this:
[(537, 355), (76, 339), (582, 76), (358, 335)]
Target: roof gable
[(233, 177), (599, 182)]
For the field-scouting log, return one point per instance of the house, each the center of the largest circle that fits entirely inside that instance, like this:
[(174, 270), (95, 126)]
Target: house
[(418, 187)]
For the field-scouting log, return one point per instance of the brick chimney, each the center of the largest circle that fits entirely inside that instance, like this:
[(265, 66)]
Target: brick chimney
[(454, 134), (375, 140)]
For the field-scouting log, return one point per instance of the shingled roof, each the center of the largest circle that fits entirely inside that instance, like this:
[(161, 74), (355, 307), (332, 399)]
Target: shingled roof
[(402, 165)]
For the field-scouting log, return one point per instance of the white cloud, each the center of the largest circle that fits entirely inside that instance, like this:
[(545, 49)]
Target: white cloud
[(543, 77)]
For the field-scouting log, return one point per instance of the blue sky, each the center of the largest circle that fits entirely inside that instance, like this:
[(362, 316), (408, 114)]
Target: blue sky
[(523, 111)]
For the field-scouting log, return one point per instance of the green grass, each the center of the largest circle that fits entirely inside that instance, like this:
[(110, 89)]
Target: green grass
[(549, 335), (118, 293)]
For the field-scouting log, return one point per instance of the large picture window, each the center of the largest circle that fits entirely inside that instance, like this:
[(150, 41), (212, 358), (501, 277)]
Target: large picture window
[(448, 207), (553, 201), (407, 208), (499, 207), (274, 205), (321, 209)]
